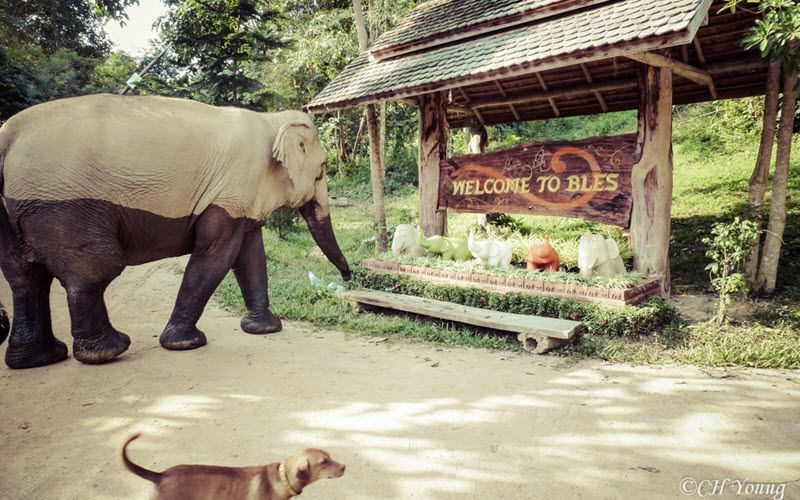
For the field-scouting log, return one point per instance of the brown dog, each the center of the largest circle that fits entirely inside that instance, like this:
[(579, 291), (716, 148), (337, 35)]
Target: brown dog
[(277, 481)]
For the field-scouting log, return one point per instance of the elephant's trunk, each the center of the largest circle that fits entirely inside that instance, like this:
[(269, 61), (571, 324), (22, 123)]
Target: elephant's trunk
[(321, 229)]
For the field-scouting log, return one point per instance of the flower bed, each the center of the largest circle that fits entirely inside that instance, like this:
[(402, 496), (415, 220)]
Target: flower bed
[(615, 297), (650, 316)]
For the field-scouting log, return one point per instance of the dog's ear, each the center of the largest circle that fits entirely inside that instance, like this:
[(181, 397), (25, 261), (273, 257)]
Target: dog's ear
[(303, 471)]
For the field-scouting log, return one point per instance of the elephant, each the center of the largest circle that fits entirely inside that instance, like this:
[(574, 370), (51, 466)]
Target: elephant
[(4, 325), (404, 242), (447, 248), (490, 252), (543, 257), (598, 256), (93, 184)]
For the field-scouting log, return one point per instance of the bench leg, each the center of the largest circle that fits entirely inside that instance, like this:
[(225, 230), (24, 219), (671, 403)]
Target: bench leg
[(541, 344), (356, 306)]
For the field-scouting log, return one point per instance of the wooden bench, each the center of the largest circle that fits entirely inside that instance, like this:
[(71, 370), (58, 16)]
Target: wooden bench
[(537, 334)]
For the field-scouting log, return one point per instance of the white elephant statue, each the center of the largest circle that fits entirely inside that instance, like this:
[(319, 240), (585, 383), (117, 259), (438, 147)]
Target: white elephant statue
[(404, 242), (491, 252), (598, 256)]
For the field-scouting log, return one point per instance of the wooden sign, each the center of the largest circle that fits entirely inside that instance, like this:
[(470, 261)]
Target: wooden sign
[(589, 179)]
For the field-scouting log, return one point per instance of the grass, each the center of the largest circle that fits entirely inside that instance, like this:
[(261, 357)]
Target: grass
[(710, 184)]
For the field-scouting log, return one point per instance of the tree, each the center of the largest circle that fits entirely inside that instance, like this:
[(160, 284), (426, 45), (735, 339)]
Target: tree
[(376, 149), (776, 33), (50, 48), (222, 42)]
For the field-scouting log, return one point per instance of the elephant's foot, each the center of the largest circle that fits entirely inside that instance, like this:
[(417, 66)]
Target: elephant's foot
[(261, 324), (36, 354), (101, 348), (181, 338)]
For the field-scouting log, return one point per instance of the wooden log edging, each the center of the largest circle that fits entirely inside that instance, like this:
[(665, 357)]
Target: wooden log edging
[(609, 297)]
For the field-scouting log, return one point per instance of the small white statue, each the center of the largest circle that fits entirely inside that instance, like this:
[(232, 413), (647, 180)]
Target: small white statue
[(490, 252), (598, 256), (404, 242)]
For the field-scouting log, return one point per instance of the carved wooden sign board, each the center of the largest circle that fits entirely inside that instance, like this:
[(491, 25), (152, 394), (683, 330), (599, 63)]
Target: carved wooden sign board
[(589, 179)]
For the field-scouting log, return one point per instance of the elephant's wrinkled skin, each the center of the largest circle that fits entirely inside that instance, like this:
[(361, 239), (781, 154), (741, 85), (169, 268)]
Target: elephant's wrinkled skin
[(93, 184)]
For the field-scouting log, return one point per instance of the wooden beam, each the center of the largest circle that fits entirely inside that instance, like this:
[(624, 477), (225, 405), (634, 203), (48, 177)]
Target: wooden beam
[(685, 53), (687, 71), (652, 176), (526, 97), (511, 106), (597, 94), (551, 100), (468, 100), (432, 150)]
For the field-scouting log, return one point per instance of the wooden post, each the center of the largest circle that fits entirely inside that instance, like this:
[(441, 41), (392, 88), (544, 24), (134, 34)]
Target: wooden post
[(432, 150), (652, 176)]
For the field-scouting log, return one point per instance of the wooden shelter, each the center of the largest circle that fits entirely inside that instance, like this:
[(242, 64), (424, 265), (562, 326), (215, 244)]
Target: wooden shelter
[(502, 61)]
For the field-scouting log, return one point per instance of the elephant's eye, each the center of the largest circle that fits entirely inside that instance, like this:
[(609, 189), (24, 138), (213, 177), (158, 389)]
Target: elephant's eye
[(303, 146)]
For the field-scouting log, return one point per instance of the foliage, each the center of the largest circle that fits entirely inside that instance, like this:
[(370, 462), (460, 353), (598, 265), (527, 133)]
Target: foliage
[(776, 32), (222, 43), (283, 221), (65, 24), (728, 246), (50, 49), (631, 321)]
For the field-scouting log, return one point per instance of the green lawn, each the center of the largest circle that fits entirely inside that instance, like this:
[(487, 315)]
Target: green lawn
[(707, 188)]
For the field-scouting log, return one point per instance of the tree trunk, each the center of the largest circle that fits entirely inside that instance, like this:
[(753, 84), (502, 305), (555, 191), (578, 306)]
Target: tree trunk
[(652, 176), (341, 143), (432, 150), (768, 270), (760, 178), (478, 139), (376, 156)]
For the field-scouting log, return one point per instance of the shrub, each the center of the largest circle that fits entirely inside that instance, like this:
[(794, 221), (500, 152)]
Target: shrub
[(284, 221), (727, 248), (650, 316)]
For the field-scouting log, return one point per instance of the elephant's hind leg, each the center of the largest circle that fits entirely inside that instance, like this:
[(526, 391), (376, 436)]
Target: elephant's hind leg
[(32, 342), (218, 238), (94, 339)]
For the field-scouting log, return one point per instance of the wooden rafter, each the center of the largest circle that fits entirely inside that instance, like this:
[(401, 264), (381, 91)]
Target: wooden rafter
[(550, 99), (697, 75), (597, 93), (510, 106), (468, 102), (699, 49)]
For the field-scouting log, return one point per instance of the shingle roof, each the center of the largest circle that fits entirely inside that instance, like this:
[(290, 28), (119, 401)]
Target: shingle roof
[(584, 35), (437, 18)]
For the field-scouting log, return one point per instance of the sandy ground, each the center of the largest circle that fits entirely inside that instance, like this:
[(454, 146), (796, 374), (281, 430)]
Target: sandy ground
[(409, 420)]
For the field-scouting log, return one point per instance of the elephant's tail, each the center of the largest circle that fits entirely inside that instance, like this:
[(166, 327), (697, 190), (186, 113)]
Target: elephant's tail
[(5, 145), (4, 325), (138, 469)]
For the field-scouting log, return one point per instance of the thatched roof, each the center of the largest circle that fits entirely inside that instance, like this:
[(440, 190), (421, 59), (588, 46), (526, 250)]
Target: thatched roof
[(506, 61)]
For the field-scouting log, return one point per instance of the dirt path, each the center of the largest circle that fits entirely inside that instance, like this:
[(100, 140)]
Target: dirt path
[(409, 420)]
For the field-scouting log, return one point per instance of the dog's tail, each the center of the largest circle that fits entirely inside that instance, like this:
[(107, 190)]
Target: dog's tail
[(137, 469)]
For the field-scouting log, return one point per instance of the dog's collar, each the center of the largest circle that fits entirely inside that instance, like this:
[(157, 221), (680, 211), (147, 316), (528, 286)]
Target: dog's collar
[(285, 480)]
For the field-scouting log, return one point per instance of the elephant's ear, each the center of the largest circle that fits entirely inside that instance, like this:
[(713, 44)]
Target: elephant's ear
[(613, 248), (290, 149)]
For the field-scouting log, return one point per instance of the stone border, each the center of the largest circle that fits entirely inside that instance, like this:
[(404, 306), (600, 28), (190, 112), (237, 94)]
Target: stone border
[(510, 284)]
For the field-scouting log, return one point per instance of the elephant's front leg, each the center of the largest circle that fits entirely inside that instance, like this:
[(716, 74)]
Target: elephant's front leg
[(250, 270), (218, 239)]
